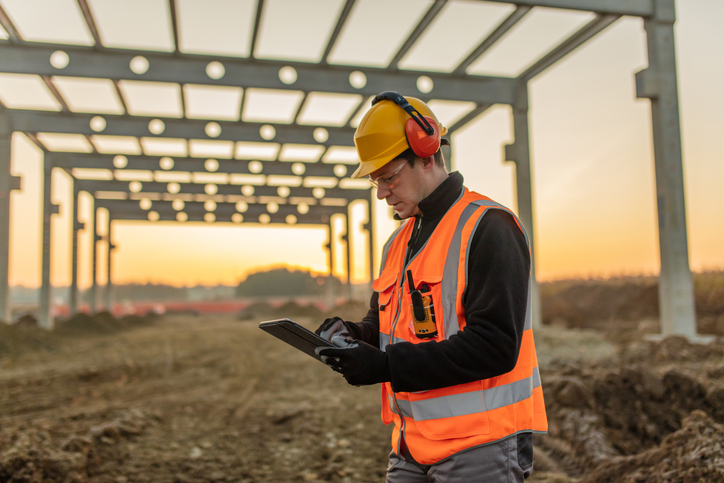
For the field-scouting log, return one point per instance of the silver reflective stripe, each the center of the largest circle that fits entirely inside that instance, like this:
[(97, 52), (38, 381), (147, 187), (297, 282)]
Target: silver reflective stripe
[(528, 310), (449, 284), (391, 402), (536, 377), (387, 246), (384, 341), (494, 205), (385, 338), (501, 396), (470, 402), (420, 250)]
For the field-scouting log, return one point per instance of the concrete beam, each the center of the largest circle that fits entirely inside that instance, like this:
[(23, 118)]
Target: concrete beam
[(424, 22), (94, 186), (72, 123), (9, 27), (584, 34), (467, 118), (494, 36), (191, 69), (195, 165), (223, 210), (275, 218), (637, 8), (337, 29)]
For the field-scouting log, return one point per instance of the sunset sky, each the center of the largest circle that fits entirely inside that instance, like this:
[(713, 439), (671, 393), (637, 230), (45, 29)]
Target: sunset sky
[(592, 163)]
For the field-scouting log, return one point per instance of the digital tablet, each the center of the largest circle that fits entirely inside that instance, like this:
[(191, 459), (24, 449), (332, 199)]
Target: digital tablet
[(295, 335)]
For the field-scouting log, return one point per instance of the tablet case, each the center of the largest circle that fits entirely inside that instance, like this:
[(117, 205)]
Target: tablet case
[(295, 335)]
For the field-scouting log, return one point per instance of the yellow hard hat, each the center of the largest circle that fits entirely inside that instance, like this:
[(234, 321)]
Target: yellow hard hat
[(385, 131)]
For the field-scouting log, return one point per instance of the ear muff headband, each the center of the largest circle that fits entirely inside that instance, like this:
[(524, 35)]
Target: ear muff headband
[(422, 132)]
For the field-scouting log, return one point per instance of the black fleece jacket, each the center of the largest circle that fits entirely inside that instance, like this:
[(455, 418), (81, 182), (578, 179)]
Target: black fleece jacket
[(494, 301)]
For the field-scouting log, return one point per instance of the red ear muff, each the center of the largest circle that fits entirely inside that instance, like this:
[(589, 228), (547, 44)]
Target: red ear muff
[(423, 144), (423, 133)]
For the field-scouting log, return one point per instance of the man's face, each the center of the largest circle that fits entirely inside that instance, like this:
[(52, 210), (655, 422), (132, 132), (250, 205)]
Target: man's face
[(400, 185)]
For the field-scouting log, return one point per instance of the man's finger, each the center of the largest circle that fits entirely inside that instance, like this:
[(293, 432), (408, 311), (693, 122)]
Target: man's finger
[(328, 359), (329, 352)]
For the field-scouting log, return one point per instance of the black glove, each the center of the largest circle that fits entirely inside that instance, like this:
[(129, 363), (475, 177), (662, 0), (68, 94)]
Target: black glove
[(330, 327), (361, 364), (337, 330)]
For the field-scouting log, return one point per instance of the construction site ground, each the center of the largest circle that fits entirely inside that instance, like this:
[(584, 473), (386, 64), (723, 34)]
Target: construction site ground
[(189, 398)]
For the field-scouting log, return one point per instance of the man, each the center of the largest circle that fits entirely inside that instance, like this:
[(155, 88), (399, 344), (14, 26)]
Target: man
[(448, 333)]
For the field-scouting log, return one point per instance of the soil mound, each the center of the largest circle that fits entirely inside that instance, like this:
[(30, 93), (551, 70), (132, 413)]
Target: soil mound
[(351, 310), (582, 303), (693, 453), (27, 320), (601, 414), (292, 308), (101, 323), (620, 301), (257, 310), (82, 324), (17, 339), (35, 455), (133, 320)]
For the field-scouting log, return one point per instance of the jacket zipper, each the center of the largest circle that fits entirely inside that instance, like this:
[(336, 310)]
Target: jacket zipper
[(408, 255), (413, 239)]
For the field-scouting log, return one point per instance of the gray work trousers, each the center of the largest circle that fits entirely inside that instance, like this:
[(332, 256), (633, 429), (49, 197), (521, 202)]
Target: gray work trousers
[(509, 460)]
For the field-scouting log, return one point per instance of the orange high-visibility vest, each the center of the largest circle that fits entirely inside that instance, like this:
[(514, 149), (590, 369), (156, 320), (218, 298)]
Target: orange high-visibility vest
[(441, 422)]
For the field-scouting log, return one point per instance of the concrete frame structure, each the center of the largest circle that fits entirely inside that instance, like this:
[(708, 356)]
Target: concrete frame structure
[(657, 83)]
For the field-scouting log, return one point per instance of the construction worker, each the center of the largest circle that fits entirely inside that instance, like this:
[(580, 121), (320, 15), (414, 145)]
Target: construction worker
[(448, 333)]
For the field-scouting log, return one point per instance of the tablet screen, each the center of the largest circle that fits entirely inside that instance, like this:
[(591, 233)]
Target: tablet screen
[(295, 335)]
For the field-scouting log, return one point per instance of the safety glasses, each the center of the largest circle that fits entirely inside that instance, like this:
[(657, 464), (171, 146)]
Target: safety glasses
[(389, 181)]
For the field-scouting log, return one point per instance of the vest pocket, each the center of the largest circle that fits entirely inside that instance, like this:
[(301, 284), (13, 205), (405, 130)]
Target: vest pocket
[(385, 287), (440, 414), (430, 290)]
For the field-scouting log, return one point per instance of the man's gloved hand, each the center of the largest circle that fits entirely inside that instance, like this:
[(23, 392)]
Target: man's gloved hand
[(334, 330), (360, 363)]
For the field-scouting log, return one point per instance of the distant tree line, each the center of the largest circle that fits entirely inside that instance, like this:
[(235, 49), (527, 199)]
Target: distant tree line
[(285, 282), (268, 283), (147, 291)]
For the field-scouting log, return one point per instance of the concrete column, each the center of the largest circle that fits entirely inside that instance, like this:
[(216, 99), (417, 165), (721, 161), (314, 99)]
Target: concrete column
[(348, 242), (94, 264), (109, 283), (371, 233), (329, 290), (76, 226), (8, 183), (447, 154), (519, 153), (658, 83), (330, 250), (45, 318)]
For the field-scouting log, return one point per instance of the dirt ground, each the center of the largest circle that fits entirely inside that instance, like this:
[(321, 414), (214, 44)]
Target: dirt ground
[(184, 398)]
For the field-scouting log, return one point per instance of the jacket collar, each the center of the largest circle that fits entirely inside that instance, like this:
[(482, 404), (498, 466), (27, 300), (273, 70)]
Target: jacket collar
[(437, 203)]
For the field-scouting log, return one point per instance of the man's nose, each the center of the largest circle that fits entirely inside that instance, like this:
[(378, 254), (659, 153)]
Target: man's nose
[(382, 193)]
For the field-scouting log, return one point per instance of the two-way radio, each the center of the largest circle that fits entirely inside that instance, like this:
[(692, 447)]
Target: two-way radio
[(423, 312)]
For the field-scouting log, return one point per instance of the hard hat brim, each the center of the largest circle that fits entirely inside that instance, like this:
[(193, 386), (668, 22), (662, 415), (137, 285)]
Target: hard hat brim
[(365, 169)]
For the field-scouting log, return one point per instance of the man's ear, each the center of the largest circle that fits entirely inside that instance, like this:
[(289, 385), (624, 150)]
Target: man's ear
[(428, 163)]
